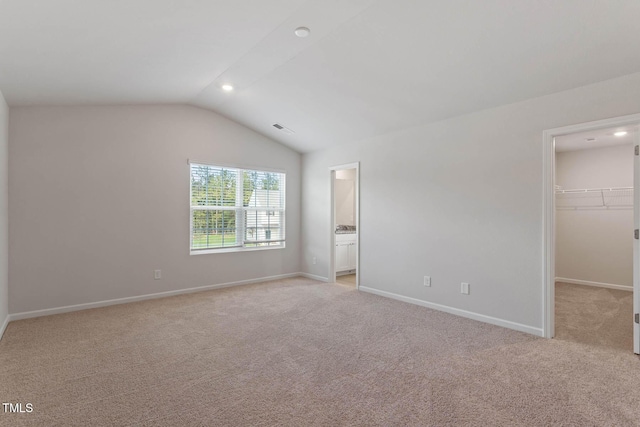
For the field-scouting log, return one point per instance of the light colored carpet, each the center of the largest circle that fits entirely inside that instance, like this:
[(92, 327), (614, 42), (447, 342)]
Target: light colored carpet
[(302, 353), (594, 316)]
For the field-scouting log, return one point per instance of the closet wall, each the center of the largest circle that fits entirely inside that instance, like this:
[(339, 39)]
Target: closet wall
[(595, 244)]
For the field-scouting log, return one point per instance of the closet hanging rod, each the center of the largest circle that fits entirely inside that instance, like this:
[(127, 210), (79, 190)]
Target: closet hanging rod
[(587, 198)]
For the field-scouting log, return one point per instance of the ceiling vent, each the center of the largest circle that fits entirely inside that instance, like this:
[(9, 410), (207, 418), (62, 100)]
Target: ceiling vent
[(283, 128)]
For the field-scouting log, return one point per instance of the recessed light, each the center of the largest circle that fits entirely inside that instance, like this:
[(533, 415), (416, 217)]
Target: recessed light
[(302, 31), (227, 87), (621, 133)]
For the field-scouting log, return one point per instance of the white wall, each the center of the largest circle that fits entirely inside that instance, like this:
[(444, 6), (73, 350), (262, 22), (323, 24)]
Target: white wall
[(4, 213), (459, 200), (99, 198), (595, 245)]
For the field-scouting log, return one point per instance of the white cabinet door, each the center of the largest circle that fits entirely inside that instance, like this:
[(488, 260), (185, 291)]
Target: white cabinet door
[(342, 256), (352, 256)]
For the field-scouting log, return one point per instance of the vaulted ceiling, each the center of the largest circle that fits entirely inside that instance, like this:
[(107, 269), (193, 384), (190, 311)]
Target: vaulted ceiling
[(367, 68)]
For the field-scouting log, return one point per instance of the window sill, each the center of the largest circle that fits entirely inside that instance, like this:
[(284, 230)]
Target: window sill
[(228, 250)]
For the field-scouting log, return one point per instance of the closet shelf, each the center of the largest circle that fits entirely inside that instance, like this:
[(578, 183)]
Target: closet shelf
[(621, 197)]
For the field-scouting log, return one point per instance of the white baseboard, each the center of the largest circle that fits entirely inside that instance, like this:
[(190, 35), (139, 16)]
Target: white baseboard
[(3, 327), (458, 312), (77, 307), (314, 277), (598, 284)]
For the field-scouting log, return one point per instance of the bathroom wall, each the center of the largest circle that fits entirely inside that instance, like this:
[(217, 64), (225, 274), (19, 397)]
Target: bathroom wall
[(345, 197)]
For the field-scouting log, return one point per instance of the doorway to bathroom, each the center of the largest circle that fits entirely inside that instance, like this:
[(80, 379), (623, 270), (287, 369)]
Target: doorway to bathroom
[(345, 225)]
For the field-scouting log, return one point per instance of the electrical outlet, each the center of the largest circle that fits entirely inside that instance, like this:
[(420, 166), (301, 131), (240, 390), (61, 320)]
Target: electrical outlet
[(157, 274), (427, 280), (464, 288), (314, 260)]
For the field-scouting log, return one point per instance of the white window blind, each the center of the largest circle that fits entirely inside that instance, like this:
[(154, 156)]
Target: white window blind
[(236, 208)]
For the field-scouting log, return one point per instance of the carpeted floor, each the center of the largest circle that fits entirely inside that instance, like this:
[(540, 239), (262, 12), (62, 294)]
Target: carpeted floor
[(302, 353), (594, 316)]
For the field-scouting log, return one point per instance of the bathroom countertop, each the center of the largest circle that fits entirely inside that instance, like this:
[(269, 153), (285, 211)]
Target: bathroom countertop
[(345, 229)]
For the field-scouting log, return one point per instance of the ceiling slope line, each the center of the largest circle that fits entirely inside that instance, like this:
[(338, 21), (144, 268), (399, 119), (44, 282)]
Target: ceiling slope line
[(280, 47)]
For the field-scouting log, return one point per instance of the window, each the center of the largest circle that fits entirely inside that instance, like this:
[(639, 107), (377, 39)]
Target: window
[(236, 209)]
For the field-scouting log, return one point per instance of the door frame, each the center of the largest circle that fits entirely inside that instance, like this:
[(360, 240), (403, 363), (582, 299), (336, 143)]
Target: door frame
[(548, 220), (332, 216)]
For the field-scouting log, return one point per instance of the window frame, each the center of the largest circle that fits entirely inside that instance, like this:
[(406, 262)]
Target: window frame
[(241, 211)]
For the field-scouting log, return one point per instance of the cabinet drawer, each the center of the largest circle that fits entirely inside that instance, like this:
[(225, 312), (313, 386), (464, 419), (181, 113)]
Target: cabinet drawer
[(340, 238)]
